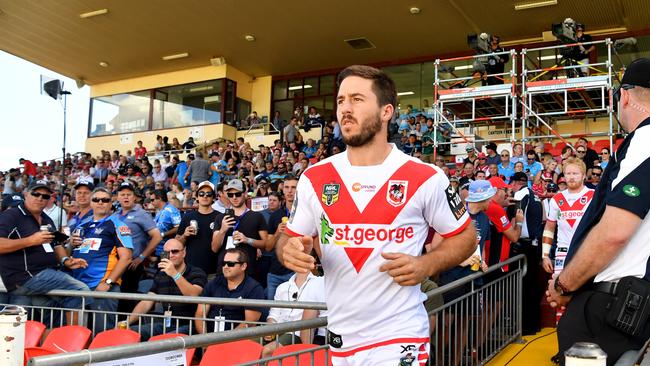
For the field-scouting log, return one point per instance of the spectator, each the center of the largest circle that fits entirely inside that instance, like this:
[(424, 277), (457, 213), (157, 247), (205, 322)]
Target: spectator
[(221, 200), (234, 284), (492, 156), (278, 122), (471, 154), (28, 168), (175, 277), (29, 256), (518, 154), (159, 174), (580, 52), (481, 163), (480, 175), (159, 144), (199, 169), (140, 151), (176, 145), (189, 144), (506, 167), (277, 223), (496, 63), (167, 218), (313, 119), (290, 131), (104, 243), (295, 289), (181, 170), (197, 240), (310, 149), (604, 157), (85, 176), (263, 189), (84, 211), (596, 173), (245, 230), (56, 213), (532, 166), (589, 156), (9, 187), (144, 235), (413, 145), (216, 168)]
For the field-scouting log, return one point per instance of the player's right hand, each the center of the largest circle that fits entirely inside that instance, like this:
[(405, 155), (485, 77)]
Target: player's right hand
[(547, 264), (40, 237), (295, 254)]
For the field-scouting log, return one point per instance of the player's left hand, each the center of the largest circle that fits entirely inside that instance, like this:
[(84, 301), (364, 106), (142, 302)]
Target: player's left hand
[(405, 269)]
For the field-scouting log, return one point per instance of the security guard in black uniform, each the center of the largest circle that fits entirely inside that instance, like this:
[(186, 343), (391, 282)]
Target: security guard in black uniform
[(605, 284)]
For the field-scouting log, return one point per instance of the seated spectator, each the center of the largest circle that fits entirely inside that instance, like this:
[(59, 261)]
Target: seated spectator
[(596, 173), (313, 119), (189, 144), (604, 157), (176, 145), (492, 156), (174, 277), (233, 284), (159, 174), (159, 146), (56, 213), (104, 243), (29, 256), (299, 287), (310, 149)]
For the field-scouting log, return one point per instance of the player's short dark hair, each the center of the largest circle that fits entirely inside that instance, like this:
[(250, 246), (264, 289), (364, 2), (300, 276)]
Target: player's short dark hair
[(382, 85)]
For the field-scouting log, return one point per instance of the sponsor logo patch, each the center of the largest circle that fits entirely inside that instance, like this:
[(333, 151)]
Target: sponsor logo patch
[(330, 193), (124, 230), (631, 190), (455, 203)]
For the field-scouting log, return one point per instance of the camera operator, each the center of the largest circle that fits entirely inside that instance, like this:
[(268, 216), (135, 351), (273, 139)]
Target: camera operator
[(606, 267), (530, 245), (495, 63), (580, 52)]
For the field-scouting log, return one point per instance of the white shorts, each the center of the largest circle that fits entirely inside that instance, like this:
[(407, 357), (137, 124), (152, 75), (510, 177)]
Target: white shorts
[(394, 354)]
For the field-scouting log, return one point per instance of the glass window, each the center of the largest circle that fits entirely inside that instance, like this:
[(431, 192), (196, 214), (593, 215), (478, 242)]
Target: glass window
[(311, 86), (120, 113), (295, 88), (187, 105), (280, 89), (327, 85)]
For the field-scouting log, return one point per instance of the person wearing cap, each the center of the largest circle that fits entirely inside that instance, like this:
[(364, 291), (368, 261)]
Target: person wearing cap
[(11, 200), (471, 154), (481, 164), (492, 155), (197, 240), (144, 235), (529, 244), (600, 255), (561, 183), (84, 212), (245, 230), (30, 257), (167, 217)]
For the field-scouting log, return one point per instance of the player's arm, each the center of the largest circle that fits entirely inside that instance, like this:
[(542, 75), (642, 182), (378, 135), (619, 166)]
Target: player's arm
[(547, 244)]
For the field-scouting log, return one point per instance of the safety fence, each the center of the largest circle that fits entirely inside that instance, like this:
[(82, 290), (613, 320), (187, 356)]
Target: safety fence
[(481, 315)]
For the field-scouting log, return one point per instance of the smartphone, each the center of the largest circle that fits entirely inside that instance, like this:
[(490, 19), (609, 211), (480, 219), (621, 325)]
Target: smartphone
[(164, 255), (518, 205), (60, 237), (230, 212)]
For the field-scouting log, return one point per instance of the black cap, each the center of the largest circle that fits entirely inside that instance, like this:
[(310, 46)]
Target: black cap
[(519, 177), (552, 187), (126, 185), (638, 73), (12, 200), (491, 146), (84, 184), (40, 184), (190, 156)]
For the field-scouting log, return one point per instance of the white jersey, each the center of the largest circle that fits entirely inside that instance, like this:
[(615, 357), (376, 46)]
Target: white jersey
[(359, 212), (567, 209)]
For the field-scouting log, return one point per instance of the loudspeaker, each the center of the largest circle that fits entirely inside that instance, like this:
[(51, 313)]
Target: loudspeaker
[(53, 88), (218, 61)]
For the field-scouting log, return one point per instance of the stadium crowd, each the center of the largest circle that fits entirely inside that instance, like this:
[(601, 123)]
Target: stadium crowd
[(207, 225)]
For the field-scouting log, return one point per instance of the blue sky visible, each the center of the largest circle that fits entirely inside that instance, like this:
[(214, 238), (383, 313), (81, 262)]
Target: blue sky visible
[(32, 123)]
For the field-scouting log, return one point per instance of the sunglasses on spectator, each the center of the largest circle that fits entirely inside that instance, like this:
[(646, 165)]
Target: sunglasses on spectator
[(45, 196), (103, 200), (605, 153), (235, 194), (529, 158), (580, 151), (596, 174), (205, 194), (482, 159), (504, 155), (173, 251), (231, 264)]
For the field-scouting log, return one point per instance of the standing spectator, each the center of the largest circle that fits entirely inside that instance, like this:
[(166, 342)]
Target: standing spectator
[(56, 213), (581, 52), (290, 131), (277, 223), (28, 168), (167, 218), (171, 168), (9, 187), (596, 173), (471, 154), (140, 151), (176, 277), (199, 169), (590, 155), (506, 167), (245, 230), (216, 168), (106, 247), (605, 154), (159, 144), (518, 154), (221, 200), (144, 235), (278, 122), (496, 63), (29, 256), (197, 240), (181, 170), (234, 284), (84, 211)]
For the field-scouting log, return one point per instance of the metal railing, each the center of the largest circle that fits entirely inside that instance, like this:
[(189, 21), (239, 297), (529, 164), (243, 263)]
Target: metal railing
[(469, 329)]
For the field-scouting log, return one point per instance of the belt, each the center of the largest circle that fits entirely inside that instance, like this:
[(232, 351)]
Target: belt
[(606, 287)]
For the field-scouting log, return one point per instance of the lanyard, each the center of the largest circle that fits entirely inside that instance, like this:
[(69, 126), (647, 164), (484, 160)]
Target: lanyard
[(234, 228)]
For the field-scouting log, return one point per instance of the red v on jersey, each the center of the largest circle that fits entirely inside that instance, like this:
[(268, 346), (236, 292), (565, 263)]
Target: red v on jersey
[(382, 209), (578, 205)]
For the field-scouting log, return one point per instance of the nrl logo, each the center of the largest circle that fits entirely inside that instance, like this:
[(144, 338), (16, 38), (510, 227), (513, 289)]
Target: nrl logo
[(330, 193), (396, 194)]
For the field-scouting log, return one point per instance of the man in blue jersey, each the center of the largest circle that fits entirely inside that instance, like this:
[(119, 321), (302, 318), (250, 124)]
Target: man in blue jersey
[(167, 217), (83, 191), (105, 244)]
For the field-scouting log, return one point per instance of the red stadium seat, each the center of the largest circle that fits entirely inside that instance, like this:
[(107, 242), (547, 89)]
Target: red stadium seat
[(189, 353), (33, 333), (233, 353), (600, 144), (31, 352), (302, 359), (114, 337), (617, 144), (70, 338)]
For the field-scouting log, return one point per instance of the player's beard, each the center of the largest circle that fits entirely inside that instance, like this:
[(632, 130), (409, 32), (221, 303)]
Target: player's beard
[(574, 184), (367, 132)]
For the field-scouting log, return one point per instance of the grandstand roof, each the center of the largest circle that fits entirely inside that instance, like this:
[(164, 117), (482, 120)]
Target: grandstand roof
[(291, 35)]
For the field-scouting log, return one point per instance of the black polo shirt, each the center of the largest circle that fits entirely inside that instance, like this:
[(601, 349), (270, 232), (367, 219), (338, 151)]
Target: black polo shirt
[(247, 289), (250, 224), (19, 266), (165, 285), (624, 184)]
